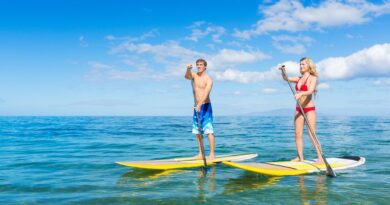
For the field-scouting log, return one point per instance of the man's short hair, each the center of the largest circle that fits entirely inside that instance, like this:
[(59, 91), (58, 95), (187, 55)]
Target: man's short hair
[(202, 60)]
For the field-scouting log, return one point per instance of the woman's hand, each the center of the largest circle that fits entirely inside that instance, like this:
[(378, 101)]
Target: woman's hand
[(297, 96), (282, 67)]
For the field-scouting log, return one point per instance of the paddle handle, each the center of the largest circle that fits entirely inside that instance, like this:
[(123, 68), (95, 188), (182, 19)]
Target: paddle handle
[(329, 169)]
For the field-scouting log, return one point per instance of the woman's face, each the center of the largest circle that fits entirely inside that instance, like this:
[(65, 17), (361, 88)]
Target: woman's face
[(304, 66)]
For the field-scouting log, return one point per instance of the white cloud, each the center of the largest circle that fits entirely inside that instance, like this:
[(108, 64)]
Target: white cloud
[(323, 86), (332, 13), (82, 42), (293, 16), (293, 39), (296, 49), (234, 43), (350, 36), (161, 91), (382, 82), (356, 36), (269, 90), (115, 74), (169, 56), (98, 65), (101, 103), (100, 71), (172, 57), (245, 76), (292, 68), (150, 34), (229, 56), (197, 33), (257, 76), (176, 86), (111, 38), (377, 10), (267, 1), (73, 62), (370, 62), (291, 44), (160, 51)]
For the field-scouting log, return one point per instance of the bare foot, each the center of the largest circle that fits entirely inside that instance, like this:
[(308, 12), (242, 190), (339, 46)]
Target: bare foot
[(210, 157), (199, 156), (319, 162), (296, 159)]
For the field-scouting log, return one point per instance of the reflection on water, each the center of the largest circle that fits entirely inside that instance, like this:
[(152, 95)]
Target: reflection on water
[(311, 189), (142, 174), (146, 177), (206, 184), (317, 194), (248, 181)]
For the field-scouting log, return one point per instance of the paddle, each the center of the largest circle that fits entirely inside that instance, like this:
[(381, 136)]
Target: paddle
[(200, 136), (329, 170)]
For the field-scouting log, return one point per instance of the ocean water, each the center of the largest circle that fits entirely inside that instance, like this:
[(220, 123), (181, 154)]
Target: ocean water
[(71, 160)]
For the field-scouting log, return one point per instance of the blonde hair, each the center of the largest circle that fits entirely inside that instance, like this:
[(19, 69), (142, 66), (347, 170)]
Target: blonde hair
[(312, 70), (312, 66)]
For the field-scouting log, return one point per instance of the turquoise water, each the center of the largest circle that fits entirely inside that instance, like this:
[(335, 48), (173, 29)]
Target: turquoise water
[(70, 160)]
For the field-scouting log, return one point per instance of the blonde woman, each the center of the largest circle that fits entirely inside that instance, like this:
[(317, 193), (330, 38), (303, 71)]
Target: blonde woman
[(305, 88)]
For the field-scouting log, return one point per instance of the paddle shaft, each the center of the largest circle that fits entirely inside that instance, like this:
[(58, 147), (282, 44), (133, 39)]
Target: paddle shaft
[(329, 169), (200, 135)]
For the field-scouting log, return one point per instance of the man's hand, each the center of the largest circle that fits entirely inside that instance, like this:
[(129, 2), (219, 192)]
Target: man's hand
[(197, 108), (189, 66)]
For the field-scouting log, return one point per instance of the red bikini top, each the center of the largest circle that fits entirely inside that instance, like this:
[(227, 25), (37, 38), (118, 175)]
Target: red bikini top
[(303, 87)]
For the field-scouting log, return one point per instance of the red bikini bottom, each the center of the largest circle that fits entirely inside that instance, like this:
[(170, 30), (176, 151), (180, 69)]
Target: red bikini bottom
[(306, 109)]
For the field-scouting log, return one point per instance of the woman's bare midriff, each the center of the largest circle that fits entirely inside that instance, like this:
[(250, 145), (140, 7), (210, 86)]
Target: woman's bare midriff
[(306, 101)]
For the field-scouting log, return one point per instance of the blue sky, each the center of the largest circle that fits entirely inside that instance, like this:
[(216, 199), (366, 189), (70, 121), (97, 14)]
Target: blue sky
[(129, 57)]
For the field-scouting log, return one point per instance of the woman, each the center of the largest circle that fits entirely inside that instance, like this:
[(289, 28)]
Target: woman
[(305, 87)]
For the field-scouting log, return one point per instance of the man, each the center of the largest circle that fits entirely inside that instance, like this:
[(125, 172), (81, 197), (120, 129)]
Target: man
[(202, 88)]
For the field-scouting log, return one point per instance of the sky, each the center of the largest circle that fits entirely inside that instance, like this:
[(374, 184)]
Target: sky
[(128, 58)]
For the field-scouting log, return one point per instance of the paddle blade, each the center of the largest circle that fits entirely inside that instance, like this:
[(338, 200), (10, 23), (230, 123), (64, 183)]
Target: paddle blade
[(329, 171)]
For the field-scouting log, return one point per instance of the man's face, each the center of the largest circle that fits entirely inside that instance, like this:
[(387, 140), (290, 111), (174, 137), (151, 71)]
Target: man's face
[(200, 66)]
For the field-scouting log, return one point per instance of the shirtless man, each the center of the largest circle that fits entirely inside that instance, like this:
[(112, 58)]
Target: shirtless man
[(202, 86)]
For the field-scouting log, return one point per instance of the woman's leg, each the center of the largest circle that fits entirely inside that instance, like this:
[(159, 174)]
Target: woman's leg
[(299, 123), (311, 116)]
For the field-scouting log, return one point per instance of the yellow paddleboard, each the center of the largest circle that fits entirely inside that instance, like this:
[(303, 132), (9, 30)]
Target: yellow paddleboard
[(288, 168), (187, 162)]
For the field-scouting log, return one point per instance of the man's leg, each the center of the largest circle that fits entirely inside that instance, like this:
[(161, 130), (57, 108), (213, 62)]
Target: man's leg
[(199, 138), (212, 146)]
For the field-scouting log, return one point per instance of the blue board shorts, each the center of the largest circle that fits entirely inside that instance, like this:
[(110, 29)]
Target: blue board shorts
[(205, 119)]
